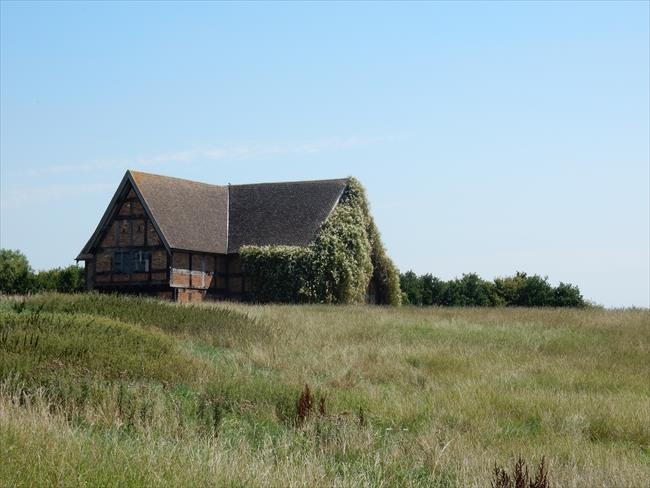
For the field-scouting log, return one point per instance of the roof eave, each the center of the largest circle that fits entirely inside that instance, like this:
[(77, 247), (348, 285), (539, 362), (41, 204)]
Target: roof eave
[(136, 188), (107, 215)]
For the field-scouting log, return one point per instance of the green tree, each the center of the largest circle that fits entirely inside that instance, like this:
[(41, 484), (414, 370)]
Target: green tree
[(411, 285), (15, 272), (427, 286), (522, 290), (567, 295), (476, 292), (536, 292), (452, 295), (509, 288)]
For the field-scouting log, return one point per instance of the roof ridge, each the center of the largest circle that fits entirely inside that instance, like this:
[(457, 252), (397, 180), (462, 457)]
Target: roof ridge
[(134, 172), (326, 180)]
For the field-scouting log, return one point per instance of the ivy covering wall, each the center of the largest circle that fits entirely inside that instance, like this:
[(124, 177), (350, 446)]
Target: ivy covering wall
[(337, 267)]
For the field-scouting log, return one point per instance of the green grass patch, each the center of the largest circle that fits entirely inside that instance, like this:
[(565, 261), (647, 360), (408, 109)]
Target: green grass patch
[(119, 391)]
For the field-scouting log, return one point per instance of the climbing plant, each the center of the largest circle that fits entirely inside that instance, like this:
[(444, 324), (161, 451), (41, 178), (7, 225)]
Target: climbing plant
[(337, 267)]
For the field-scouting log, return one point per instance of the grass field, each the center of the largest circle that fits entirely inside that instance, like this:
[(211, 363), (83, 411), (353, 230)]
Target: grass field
[(110, 391)]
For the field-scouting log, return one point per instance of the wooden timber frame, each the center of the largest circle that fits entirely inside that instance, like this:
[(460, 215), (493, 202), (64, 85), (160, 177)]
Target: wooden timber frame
[(195, 276), (127, 230)]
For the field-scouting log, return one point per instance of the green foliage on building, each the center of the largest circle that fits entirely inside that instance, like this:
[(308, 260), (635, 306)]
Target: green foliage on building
[(337, 267)]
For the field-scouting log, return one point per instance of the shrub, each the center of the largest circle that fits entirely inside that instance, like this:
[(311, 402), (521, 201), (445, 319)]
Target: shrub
[(476, 292), (15, 272), (17, 276), (567, 295), (64, 280), (469, 291), (509, 288), (336, 267), (536, 291), (473, 291), (525, 291)]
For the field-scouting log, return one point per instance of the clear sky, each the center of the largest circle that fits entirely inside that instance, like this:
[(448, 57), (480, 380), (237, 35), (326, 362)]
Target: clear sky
[(491, 137)]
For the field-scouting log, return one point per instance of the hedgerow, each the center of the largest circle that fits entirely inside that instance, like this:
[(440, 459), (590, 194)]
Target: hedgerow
[(337, 267), (18, 277), (471, 290)]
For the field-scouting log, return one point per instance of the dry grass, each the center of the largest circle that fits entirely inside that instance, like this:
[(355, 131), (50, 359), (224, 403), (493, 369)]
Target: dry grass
[(443, 393)]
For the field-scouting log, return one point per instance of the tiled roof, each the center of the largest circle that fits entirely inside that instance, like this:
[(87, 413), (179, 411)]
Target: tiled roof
[(221, 218), (189, 214), (280, 213)]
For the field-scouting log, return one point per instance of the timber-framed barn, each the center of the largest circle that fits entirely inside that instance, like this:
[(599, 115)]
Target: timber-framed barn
[(180, 239)]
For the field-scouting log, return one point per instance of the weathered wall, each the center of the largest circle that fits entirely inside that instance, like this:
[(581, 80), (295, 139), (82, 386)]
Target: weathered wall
[(197, 276), (183, 276), (130, 231)]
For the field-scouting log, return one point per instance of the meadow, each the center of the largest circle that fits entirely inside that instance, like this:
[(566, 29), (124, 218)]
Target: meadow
[(114, 391)]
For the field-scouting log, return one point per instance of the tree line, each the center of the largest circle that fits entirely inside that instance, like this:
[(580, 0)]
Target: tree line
[(520, 290), (18, 277), (523, 290)]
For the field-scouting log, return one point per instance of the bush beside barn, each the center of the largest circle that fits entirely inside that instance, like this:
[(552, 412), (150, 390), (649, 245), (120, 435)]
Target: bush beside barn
[(345, 263)]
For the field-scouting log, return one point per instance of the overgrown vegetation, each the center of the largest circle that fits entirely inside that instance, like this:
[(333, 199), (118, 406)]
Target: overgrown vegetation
[(521, 290), (278, 273), (337, 267), (107, 390), (17, 276)]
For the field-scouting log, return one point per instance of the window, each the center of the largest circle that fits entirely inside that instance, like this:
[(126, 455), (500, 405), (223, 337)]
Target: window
[(140, 261), (131, 261), (120, 261)]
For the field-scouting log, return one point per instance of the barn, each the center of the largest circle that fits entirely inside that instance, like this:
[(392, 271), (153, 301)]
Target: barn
[(182, 240)]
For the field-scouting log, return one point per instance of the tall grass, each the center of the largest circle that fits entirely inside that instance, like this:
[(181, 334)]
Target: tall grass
[(123, 391), (213, 324)]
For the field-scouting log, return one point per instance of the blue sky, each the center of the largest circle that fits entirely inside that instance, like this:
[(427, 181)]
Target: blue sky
[(491, 137)]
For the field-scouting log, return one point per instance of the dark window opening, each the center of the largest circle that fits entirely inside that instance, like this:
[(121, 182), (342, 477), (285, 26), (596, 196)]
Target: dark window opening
[(141, 261), (120, 261), (131, 261)]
